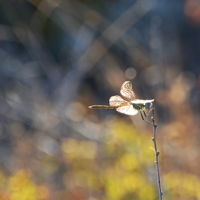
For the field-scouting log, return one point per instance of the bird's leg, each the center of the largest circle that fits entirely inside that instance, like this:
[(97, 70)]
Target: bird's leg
[(143, 113)]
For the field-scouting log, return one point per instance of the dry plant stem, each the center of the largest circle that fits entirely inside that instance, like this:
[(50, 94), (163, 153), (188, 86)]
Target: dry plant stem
[(156, 154)]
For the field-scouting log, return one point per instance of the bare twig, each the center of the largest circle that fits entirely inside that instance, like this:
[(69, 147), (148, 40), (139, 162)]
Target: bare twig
[(155, 149)]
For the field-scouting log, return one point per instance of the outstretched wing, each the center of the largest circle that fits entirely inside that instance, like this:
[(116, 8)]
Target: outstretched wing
[(124, 106), (141, 101), (127, 91), (117, 101), (128, 110)]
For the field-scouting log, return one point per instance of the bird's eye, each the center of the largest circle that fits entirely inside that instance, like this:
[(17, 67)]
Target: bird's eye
[(148, 105)]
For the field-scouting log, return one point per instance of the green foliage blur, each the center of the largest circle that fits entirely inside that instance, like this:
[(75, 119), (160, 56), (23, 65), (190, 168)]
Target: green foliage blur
[(121, 166), (117, 168)]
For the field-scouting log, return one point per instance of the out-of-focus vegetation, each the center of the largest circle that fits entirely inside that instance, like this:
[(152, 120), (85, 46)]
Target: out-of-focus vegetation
[(59, 57)]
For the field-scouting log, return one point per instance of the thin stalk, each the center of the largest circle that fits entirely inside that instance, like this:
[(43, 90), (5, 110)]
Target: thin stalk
[(156, 156), (143, 115)]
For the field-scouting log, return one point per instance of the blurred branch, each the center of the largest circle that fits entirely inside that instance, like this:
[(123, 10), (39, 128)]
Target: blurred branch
[(40, 53), (113, 33), (104, 27)]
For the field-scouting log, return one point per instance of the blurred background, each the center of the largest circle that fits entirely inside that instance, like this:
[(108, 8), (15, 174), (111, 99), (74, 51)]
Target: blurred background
[(57, 57)]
